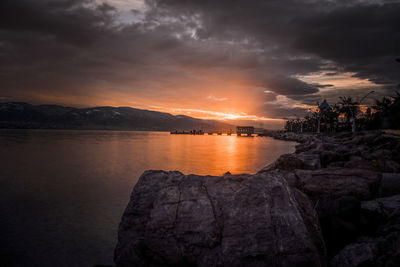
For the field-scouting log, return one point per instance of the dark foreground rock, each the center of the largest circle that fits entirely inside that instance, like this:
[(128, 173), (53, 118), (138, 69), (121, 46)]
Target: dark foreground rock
[(234, 220), (389, 185), (360, 228), (360, 183), (336, 194), (382, 247), (291, 162), (336, 200)]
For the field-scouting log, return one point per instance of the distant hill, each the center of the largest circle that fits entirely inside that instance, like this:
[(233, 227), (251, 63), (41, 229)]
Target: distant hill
[(27, 116)]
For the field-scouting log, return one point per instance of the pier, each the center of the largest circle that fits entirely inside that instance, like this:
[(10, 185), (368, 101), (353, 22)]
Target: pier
[(246, 130), (240, 131), (192, 132)]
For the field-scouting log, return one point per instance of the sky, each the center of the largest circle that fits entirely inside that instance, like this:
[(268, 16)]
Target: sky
[(246, 62)]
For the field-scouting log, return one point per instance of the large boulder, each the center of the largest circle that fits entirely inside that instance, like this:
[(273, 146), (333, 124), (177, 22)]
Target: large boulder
[(359, 183), (234, 220)]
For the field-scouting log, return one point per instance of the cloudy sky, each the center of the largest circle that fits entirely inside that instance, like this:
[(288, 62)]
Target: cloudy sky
[(225, 59)]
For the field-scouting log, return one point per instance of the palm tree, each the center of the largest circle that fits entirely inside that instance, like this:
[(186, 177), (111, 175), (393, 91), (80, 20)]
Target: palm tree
[(331, 115), (388, 111), (383, 108), (395, 111), (350, 108)]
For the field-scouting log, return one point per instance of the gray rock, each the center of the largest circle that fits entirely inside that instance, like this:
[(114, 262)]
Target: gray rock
[(380, 154), (233, 220), (330, 157), (289, 176), (336, 164), (388, 166), (290, 162), (358, 254), (378, 165), (382, 207), (385, 141), (338, 181), (382, 247), (390, 184), (360, 163)]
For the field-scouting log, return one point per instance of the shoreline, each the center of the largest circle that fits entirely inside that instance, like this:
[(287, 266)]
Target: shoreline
[(343, 189)]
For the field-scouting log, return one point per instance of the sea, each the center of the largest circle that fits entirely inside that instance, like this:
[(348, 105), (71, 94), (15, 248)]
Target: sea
[(63, 192)]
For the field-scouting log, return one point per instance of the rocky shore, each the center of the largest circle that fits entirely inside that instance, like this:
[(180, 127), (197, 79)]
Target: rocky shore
[(334, 202)]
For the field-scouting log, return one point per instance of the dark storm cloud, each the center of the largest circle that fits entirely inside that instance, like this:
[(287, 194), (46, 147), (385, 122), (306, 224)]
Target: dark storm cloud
[(66, 20), (290, 86), (363, 38), (358, 36), (47, 44), (331, 73), (69, 47), (322, 85), (275, 110), (72, 47), (269, 96)]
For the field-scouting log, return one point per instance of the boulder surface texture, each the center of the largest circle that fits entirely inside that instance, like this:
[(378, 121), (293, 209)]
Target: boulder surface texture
[(233, 220)]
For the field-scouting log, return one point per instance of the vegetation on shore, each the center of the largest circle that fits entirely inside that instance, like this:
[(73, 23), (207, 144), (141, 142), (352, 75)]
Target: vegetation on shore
[(349, 115)]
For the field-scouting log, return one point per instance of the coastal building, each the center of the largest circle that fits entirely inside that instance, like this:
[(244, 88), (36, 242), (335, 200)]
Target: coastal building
[(324, 105), (248, 130)]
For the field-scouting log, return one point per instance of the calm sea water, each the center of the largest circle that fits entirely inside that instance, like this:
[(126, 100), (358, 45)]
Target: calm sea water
[(63, 192)]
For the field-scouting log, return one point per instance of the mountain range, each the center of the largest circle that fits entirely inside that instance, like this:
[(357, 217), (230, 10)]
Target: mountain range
[(27, 116)]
